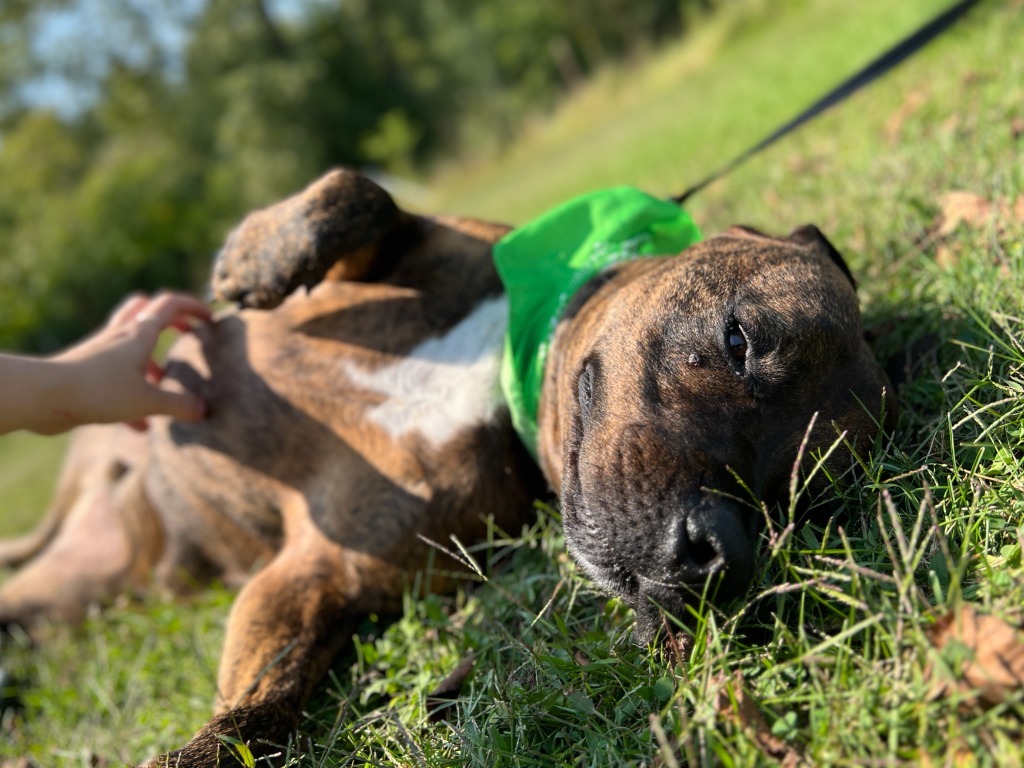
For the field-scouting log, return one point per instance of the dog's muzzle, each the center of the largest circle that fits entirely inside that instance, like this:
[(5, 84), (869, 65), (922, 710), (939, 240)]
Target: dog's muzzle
[(708, 555)]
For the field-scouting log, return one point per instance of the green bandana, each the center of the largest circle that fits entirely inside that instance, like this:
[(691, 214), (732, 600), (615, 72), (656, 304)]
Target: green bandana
[(544, 263)]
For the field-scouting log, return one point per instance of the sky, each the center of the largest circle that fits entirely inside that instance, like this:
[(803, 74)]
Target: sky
[(57, 37)]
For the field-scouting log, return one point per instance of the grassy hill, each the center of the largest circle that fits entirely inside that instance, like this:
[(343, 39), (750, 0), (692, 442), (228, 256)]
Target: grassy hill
[(918, 180)]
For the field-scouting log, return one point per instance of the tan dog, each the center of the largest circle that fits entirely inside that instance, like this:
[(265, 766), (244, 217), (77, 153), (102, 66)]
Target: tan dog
[(348, 424)]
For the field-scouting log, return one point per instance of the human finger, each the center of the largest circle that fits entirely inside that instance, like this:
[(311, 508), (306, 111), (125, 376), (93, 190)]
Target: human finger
[(184, 406), (154, 373), (172, 309), (128, 309)]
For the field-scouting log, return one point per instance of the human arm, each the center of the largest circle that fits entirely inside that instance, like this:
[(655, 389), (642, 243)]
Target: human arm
[(108, 377)]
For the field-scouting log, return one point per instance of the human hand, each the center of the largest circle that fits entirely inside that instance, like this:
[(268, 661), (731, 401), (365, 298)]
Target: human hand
[(112, 374)]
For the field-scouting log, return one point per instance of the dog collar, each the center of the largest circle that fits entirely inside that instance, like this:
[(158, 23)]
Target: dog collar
[(543, 263)]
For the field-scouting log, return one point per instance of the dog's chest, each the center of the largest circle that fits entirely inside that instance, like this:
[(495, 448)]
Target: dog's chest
[(446, 384)]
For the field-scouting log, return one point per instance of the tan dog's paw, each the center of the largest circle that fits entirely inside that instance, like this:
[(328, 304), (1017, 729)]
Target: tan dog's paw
[(234, 737), (339, 221)]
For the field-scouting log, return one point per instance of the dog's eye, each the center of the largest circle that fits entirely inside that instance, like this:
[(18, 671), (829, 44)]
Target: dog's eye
[(585, 391), (736, 342)]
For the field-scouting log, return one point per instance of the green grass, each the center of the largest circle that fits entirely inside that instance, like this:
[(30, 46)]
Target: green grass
[(28, 469), (833, 646)]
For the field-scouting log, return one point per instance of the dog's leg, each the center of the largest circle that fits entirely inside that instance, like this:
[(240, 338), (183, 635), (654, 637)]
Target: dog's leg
[(107, 544), (19, 550), (286, 626), (92, 449), (341, 224)]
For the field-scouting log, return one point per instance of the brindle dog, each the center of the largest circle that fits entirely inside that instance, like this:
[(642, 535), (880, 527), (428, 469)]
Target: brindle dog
[(351, 422)]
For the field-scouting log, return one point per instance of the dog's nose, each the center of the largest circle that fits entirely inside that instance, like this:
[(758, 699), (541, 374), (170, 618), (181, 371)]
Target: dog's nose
[(709, 554), (711, 537), (698, 547)]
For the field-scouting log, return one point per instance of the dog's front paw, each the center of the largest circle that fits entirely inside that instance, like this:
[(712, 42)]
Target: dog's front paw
[(244, 736), (341, 219)]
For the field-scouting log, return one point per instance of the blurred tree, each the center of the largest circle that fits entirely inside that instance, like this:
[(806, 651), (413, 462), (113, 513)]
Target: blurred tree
[(186, 114), (39, 165)]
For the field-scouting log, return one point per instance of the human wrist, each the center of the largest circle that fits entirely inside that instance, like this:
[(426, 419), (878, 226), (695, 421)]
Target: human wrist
[(57, 396), (36, 395)]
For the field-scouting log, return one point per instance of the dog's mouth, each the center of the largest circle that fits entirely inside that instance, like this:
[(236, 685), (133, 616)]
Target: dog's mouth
[(658, 605)]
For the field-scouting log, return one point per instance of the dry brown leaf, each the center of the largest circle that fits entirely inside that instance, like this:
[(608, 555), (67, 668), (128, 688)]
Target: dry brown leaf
[(1017, 127), (993, 665), (955, 755), (735, 704), (975, 211), (945, 257), (913, 101), (949, 126), (962, 208)]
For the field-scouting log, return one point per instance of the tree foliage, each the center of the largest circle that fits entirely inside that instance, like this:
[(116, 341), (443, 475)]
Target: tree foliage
[(179, 116)]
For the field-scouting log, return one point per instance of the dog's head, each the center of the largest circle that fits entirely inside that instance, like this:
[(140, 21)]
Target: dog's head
[(679, 393)]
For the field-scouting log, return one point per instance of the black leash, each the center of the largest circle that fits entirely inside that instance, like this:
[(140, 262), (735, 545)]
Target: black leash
[(888, 60)]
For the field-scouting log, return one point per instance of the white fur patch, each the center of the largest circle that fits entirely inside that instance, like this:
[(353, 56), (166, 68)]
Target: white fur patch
[(446, 384)]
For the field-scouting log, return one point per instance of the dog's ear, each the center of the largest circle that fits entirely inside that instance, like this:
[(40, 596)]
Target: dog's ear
[(338, 224), (747, 233), (807, 235), (810, 235)]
